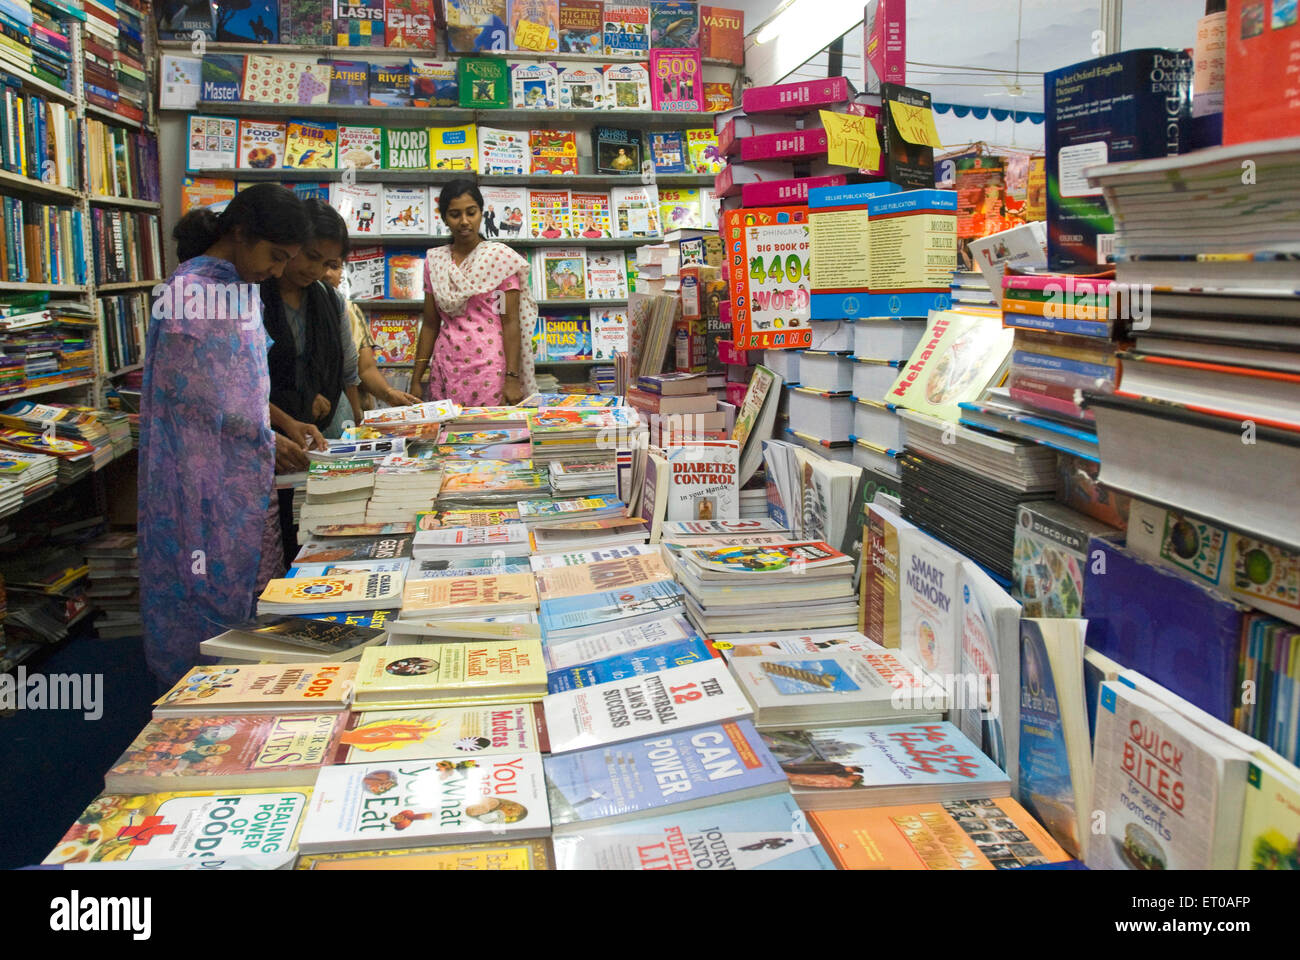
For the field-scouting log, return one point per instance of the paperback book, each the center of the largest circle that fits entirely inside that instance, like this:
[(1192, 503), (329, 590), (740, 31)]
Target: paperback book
[(398, 736)]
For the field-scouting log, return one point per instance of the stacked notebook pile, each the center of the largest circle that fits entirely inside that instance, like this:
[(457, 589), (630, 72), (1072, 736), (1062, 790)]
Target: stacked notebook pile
[(967, 491), (578, 433), (404, 486), (337, 491), (587, 477), (472, 543), (114, 565), (485, 483), (735, 590), (32, 475)]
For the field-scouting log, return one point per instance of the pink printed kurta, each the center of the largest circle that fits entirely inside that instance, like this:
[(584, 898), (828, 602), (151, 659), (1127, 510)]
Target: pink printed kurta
[(469, 359)]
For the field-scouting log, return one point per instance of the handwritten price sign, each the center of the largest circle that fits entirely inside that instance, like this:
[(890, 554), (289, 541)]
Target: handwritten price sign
[(916, 124), (851, 141), (531, 36)]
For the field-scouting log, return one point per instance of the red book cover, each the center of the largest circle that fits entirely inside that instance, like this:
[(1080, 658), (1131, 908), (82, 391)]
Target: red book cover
[(1261, 98), (769, 248), (722, 34)]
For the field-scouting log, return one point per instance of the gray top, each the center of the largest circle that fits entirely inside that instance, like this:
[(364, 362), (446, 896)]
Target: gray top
[(297, 325)]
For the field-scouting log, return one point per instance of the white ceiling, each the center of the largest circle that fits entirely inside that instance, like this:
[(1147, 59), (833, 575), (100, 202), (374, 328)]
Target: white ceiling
[(965, 51)]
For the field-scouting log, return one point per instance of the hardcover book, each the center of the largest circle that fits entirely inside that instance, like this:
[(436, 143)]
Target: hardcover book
[(381, 805), (668, 151), (674, 24), (349, 82), (553, 151), (502, 153), (359, 205), (406, 210), (409, 23), (248, 21), (722, 35), (306, 22), (534, 25), (484, 82), (589, 214), (627, 86), (221, 76), (609, 332), (390, 85), (616, 150), (474, 25), (676, 80), (566, 338), (533, 86), (311, 145), (360, 147), (505, 209), (261, 144), (406, 148), (434, 84), (635, 211), (359, 23), (627, 29), (404, 280), (563, 274), (606, 275), (548, 218), (702, 151), (581, 27), (580, 88), (454, 148), (276, 79), (213, 143)]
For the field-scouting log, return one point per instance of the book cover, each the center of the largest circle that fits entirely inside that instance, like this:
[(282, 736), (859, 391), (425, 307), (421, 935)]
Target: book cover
[(497, 855), (959, 357), (611, 646), (406, 148), (409, 23), (261, 144), (443, 596), (930, 618), (182, 21), (553, 151), (433, 84), (306, 22), (360, 147), (331, 593), (279, 79), (580, 88), (603, 575), (668, 151), (474, 25), (906, 122), (635, 211), (702, 151), (581, 27), (677, 699), (533, 86), (484, 82), (221, 76), (676, 80), (265, 750), (606, 275), (248, 21), (722, 35), (359, 204), (765, 299), (285, 634), (548, 218), (583, 613), (651, 659), (398, 736), (349, 82), (359, 23), (589, 213), (564, 274), (272, 688), (406, 210), (453, 148), (626, 29), (674, 24), (718, 97), (390, 85), (502, 153), (1256, 41), (311, 144), (378, 805), (681, 208), (609, 332), (430, 673), (567, 338), (616, 150), (175, 829), (213, 143), (710, 764), (534, 25), (627, 86), (505, 210), (703, 480), (347, 549)]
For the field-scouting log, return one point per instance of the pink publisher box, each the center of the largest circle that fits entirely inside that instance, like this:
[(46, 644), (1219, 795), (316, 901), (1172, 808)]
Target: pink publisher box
[(728, 353), (784, 146), (799, 97), (776, 192), (737, 128), (728, 181)]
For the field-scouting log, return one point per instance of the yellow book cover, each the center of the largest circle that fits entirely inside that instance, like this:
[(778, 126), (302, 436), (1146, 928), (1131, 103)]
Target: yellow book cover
[(454, 148), (960, 355), (169, 829), (494, 593), (520, 855), (311, 145), (1270, 823), (400, 735), (265, 688), (377, 590), (452, 672), (620, 573)]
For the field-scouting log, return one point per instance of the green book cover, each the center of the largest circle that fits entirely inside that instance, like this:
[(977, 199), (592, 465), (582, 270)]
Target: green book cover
[(406, 148), (484, 82)]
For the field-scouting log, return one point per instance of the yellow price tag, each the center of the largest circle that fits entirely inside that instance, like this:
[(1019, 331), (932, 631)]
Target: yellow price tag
[(851, 141), (722, 645), (916, 124), (531, 36)]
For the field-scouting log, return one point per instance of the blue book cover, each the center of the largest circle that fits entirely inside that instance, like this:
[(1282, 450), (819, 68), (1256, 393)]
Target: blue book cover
[(1128, 106), (668, 151), (567, 337), (695, 767), (1049, 362), (371, 619), (221, 76), (853, 195), (614, 607), (390, 85), (178, 19), (349, 82), (477, 25), (248, 21), (764, 833), (1163, 624), (663, 656), (312, 191)]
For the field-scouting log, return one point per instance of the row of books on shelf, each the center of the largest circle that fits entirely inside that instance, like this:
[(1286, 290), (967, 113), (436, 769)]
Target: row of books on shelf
[(115, 74), (471, 83), (128, 245), (40, 243), (39, 139), (123, 163), (228, 143), (611, 28), (595, 335), (37, 44), (125, 321)]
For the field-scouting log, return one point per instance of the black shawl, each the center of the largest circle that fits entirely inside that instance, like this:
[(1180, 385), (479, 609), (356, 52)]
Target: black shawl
[(323, 351)]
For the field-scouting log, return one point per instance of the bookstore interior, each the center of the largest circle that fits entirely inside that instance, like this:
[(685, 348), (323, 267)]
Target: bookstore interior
[(797, 437)]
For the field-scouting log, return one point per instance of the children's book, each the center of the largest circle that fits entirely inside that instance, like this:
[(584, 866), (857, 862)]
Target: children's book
[(589, 212), (609, 331), (484, 82), (567, 337), (533, 86), (406, 210), (349, 82), (702, 151), (261, 144), (247, 21), (359, 23), (360, 205), (502, 152), (580, 88), (433, 84), (534, 25), (505, 211), (390, 85), (311, 145), (394, 335), (454, 148), (606, 275), (668, 151), (627, 87), (366, 264), (406, 148), (553, 151), (581, 27), (680, 208), (564, 274), (409, 23), (404, 274), (474, 25), (360, 147), (674, 23), (306, 22), (616, 150), (627, 29), (636, 211), (213, 143), (221, 76), (277, 79), (549, 214), (676, 80)]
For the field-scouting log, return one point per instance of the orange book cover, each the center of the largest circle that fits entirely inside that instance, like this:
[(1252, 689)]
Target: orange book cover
[(1259, 96), (994, 834), (722, 34)]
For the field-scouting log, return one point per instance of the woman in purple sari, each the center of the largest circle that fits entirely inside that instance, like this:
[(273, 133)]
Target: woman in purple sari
[(208, 536)]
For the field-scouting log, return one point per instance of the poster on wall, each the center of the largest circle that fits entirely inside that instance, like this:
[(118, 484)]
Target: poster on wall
[(769, 250)]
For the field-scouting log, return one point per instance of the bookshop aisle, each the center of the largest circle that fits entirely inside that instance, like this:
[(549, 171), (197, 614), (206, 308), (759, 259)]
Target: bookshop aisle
[(602, 435)]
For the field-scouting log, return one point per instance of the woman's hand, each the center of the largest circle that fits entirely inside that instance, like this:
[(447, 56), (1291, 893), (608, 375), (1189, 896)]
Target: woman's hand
[(400, 398), (514, 391), (306, 435), (290, 457), (319, 407)]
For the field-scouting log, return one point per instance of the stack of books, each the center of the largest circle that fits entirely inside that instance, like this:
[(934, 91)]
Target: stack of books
[(590, 477), (337, 491), (404, 486), (114, 574)]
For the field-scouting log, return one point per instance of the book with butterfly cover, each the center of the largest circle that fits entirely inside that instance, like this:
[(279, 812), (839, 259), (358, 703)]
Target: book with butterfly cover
[(402, 735)]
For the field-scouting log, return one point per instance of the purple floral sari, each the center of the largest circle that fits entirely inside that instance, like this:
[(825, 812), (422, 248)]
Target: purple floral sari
[(207, 463)]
